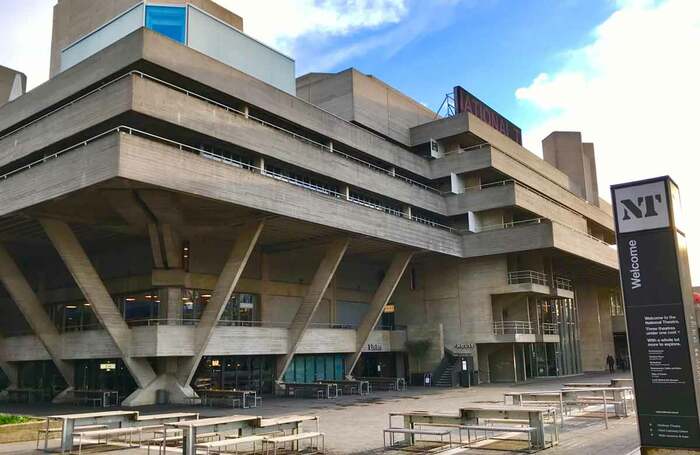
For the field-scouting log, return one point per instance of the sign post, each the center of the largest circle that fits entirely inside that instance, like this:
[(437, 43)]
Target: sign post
[(661, 328)]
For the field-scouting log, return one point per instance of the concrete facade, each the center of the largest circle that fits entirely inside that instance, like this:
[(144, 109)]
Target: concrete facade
[(186, 223)]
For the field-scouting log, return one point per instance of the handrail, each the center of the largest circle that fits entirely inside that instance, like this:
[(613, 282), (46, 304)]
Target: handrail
[(513, 328), (512, 224), (528, 276), (550, 328), (390, 172), (565, 283)]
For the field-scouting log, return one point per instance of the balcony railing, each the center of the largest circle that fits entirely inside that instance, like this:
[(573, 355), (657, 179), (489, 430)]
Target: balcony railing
[(512, 224), (564, 283), (513, 328), (549, 328), (528, 277), (524, 328)]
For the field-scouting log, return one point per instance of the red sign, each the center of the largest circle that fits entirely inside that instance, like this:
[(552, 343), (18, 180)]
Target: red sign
[(466, 102)]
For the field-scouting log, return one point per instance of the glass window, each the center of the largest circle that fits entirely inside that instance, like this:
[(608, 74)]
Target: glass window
[(167, 20)]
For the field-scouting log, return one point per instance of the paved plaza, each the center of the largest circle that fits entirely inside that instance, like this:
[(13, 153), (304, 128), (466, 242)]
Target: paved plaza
[(353, 424)]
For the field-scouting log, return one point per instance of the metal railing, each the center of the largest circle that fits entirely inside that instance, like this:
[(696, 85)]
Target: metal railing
[(512, 224), (528, 277), (549, 328), (391, 171), (513, 328), (564, 283)]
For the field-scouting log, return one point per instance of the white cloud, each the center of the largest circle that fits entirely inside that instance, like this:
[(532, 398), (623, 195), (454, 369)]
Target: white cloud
[(279, 23), (634, 93)]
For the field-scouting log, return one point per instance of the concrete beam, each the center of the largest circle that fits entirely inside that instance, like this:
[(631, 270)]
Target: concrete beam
[(28, 303), (95, 292), (226, 283), (379, 300), (166, 208), (322, 278), (127, 204)]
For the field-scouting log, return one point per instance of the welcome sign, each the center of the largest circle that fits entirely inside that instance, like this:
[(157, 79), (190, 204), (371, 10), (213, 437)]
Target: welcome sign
[(659, 311)]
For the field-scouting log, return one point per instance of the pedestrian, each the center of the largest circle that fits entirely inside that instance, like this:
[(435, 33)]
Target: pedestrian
[(611, 363)]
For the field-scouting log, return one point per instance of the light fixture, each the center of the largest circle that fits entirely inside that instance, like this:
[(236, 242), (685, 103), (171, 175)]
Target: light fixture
[(130, 299), (206, 296), (71, 307), (86, 304)]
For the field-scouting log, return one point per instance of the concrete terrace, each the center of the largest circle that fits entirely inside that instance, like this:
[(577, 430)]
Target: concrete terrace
[(353, 425)]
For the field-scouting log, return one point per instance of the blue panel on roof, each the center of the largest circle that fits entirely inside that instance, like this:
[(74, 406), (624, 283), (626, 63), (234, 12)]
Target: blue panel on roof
[(171, 21)]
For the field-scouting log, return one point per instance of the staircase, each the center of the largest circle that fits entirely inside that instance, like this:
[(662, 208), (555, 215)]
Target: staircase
[(448, 375)]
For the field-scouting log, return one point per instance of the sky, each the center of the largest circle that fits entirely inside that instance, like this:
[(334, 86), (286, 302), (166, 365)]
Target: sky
[(625, 73)]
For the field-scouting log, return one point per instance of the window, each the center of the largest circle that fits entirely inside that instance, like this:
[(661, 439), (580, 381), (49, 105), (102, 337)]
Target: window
[(168, 20)]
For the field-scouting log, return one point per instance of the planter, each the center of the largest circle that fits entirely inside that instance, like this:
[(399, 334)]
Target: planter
[(19, 432)]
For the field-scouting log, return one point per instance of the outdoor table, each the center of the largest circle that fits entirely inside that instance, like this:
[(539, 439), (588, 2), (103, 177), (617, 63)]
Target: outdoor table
[(26, 394), (619, 396), (361, 386), (244, 395), (70, 421), (328, 387), (533, 398), (535, 415), (104, 395), (163, 418), (395, 383), (580, 385), (190, 428)]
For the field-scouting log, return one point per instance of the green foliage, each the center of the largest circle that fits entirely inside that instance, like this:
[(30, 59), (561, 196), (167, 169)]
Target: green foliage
[(7, 419)]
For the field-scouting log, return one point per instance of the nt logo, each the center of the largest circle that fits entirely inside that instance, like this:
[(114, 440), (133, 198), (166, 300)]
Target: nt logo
[(641, 207)]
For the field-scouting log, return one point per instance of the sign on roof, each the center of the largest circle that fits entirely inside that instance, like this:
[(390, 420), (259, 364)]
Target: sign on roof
[(466, 102)]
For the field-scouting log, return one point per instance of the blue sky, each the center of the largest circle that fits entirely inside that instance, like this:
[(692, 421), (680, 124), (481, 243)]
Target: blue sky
[(490, 47)]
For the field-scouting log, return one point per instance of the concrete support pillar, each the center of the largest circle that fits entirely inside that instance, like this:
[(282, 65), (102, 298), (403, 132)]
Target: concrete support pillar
[(171, 304), (28, 303), (156, 250), (592, 355), (330, 146), (345, 191), (392, 171), (231, 273), (95, 292), (11, 373), (246, 111), (376, 307), (322, 278), (260, 164), (407, 212)]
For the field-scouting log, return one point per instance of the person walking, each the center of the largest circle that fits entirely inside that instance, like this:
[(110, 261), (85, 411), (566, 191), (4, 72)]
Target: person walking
[(611, 363)]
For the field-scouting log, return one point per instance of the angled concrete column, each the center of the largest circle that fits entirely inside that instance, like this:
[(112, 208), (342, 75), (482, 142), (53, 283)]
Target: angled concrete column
[(379, 300), (132, 210), (28, 303), (322, 278), (231, 273), (166, 208), (95, 292)]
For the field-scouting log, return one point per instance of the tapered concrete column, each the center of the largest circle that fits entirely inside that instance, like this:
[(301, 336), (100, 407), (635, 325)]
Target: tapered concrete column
[(379, 300), (95, 292), (11, 373), (28, 303), (322, 278), (231, 273)]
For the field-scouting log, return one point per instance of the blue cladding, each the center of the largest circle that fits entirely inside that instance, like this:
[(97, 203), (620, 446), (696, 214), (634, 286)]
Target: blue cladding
[(170, 21)]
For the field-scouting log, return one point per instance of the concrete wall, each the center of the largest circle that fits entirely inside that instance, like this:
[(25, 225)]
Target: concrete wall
[(365, 100), (13, 84), (566, 151), (73, 19)]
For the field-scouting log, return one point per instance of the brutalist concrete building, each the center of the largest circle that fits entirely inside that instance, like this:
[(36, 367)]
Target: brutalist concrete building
[(176, 206)]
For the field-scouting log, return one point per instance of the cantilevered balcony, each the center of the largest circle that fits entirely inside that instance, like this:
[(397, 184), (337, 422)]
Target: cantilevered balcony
[(525, 332)]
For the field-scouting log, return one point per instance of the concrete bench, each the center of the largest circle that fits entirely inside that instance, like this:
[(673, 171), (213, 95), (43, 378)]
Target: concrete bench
[(230, 442), (310, 436), (128, 431), (416, 432), (500, 429)]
